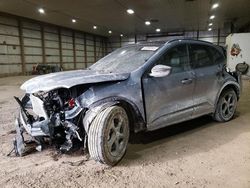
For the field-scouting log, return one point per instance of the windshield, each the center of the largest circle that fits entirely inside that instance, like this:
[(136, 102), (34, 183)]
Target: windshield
[(126, 59)]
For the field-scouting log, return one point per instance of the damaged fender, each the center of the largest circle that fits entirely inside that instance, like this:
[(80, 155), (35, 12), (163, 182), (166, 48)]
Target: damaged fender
[(92, 113)]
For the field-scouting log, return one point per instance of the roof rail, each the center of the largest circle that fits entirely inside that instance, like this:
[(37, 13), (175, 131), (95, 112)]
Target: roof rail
[(189, 39)]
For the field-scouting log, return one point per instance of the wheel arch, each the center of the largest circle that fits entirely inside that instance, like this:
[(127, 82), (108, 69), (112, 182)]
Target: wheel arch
[(234, 85), (136, 123)]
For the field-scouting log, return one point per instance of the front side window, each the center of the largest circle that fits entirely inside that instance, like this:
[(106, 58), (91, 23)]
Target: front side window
[(200, 56), (176, 58)]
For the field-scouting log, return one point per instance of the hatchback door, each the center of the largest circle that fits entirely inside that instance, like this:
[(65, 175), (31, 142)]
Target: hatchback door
[(169, 99), (207, 64)]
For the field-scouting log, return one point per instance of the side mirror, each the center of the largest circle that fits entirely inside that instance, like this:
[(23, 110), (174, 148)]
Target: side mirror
[(160, 71)]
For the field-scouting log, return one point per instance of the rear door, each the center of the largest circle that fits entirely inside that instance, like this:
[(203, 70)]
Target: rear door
[(169, 99), (207, 77)]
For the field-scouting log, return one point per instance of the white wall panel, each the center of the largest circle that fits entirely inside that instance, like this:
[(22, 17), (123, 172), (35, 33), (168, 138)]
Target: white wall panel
[(29, 67), (67, 46), (79, 53), (10, 69), (97, 43), (90, 53), (67, 39), (32, 51), (51, 36), (79, 47), (51, 44), (30, 25), (31, 33), (90, 48), (9, 40), (210, 39), (79, 41), (91, 59), (9, 30), (33, 59), (80, 59), (66, 32), (68, 66), (32, 42), (52, 59), (79, 35), (80, 65), (4, 49), (68, 59), (9, 59), (67, 52), (50, 29), (89, 42), (8, 21), (52, 52)]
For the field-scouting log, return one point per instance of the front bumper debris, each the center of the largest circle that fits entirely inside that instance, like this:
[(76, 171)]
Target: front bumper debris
[(57, 128), (19, 144)]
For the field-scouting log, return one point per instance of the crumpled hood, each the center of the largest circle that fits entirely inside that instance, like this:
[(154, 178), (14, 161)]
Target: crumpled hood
[(68, 79)]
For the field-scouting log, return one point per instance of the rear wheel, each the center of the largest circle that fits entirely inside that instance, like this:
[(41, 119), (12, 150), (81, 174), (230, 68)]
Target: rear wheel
[(226, 106), (108, 135)]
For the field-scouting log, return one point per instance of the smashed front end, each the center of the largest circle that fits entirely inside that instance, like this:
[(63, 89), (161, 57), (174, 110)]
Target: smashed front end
[(49, 117)]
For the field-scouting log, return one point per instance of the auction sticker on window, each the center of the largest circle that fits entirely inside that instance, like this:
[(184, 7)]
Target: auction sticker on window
[(149, 48)]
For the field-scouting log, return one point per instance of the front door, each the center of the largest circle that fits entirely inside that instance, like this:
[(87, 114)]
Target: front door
[(169, 99)]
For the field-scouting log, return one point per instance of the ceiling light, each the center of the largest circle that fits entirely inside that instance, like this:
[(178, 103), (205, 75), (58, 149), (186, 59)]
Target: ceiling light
[(74, 20), (147, 22), (94, 27), (209, 29), (158, 30), (121, 35), (110, 32), (130, 11), (41, 11), (210, 24), (212, 17), (215, 5)]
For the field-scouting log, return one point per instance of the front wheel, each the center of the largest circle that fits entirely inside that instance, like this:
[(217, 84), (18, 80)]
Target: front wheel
[(108, 135), (226, 106)]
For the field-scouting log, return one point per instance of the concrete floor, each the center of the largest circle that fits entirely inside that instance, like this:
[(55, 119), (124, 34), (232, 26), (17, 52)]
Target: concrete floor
[(197, 153)]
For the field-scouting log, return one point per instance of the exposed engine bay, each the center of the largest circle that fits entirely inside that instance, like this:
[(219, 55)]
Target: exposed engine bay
[(53, 116)]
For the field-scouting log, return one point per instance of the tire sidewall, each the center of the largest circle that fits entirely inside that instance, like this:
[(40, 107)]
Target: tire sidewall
[(108, 157), (219, 106)]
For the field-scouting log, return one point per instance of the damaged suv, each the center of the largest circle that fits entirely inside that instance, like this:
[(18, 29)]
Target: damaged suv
[(140, 87)]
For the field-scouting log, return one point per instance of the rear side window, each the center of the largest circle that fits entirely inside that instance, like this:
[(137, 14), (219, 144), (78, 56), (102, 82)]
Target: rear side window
[(200, 56)]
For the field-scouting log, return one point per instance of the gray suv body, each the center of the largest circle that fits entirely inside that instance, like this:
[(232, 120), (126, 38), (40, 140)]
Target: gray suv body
[(140, 87)]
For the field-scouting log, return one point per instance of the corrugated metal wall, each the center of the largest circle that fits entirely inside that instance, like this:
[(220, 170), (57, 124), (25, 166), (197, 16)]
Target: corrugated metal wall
[(25, 43), (215, 36)]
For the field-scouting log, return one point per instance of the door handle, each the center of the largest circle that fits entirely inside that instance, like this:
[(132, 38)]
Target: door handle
[(187, 81)]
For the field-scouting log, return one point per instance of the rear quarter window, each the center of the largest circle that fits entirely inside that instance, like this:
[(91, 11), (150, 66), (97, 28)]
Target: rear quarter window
[(218, 57)]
